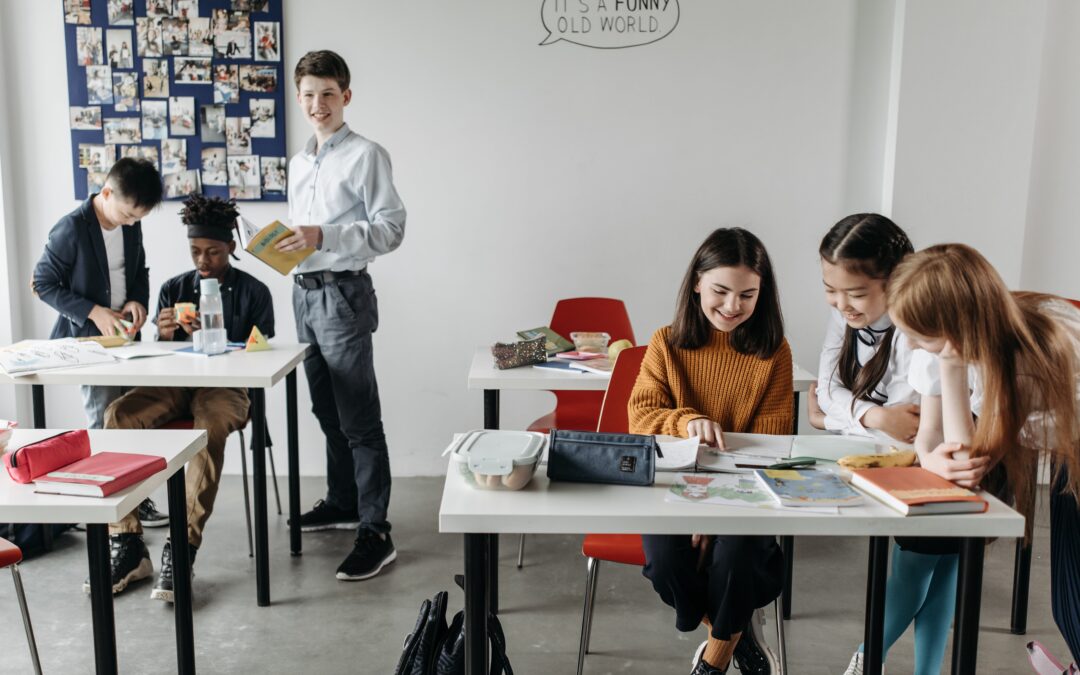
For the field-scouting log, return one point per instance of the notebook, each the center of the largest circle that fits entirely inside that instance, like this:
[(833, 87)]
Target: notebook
[(100, 475), (914, 491), (807, 487)]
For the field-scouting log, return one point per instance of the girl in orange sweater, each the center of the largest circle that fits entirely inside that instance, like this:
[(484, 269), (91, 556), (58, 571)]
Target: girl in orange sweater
[(722, 365)]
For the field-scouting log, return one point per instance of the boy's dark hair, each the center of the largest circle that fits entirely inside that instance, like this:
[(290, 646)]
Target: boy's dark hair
[(871, 245), (323, 63), (209, 212), (137, 180), (761, 334)]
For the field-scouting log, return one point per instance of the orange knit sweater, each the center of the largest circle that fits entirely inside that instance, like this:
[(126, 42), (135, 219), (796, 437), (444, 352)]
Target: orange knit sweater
[(741, 392)]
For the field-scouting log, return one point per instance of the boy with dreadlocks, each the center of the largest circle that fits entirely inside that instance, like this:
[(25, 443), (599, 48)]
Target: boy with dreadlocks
[(246, 303)]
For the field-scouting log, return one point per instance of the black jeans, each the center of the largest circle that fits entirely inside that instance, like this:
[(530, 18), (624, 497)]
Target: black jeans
[(740, 574), (337, 320), (1065, 562)]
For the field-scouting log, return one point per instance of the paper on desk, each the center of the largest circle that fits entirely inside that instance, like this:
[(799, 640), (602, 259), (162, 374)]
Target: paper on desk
[(730, 490), (758, 445), (679, 454), (138, 350)]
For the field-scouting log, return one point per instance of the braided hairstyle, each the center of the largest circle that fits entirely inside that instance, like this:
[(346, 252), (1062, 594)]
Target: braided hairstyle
[(872, 245), (210, 211)]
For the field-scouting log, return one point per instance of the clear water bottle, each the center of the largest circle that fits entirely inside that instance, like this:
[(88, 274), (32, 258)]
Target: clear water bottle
[(211, 317)]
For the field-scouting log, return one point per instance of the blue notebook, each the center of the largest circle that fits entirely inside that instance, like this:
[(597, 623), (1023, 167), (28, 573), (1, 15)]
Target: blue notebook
[(807, 487)]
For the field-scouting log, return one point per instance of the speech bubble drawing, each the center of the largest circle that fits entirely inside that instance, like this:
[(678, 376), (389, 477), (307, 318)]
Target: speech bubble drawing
[(608, 24)]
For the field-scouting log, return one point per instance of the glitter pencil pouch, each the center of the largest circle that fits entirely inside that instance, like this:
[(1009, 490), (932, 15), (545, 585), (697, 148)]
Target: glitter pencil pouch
[(517, 354)]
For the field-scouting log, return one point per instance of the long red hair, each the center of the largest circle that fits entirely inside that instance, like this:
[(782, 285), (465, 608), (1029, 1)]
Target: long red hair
[(1026, 359)]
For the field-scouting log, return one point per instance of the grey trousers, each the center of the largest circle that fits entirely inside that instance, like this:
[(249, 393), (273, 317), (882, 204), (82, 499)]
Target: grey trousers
[(95, 400), (337, 320)]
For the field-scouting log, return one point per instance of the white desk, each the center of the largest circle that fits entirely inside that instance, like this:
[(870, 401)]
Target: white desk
[(20, 504), (567, 508), (256, 371)]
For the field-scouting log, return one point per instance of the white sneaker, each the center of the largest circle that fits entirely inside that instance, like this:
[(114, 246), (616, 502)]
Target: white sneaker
[(856, 665), (698, 653)]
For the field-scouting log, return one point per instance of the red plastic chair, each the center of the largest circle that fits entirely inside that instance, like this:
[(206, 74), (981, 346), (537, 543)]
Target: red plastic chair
[(623, 548), (11, 556), (581, 409), (188, 423)]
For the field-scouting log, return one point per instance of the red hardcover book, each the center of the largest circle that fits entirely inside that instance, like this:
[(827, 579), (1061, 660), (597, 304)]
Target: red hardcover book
[(914, 491), (100, 475)]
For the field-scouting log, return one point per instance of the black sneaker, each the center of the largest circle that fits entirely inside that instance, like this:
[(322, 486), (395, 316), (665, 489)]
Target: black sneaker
[(369, 555), (163, 587), (325, 516), (149, 516), (752, 655), (129, 561)]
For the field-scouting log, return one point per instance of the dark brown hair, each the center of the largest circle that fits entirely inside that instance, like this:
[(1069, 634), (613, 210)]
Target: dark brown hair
[(323, 63), (762, 333), (211, 211), (871, 245)]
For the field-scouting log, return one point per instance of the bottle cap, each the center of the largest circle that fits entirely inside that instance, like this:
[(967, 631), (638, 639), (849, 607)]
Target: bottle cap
[(209, 287)]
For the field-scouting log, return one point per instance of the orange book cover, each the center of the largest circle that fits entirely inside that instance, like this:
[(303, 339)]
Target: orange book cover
[(914, 490)]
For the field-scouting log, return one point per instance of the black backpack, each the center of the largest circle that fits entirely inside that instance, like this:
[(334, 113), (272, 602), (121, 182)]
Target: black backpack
[(433, 648)]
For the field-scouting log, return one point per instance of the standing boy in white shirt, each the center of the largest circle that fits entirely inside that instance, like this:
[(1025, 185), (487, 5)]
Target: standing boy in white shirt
[(342, 203)]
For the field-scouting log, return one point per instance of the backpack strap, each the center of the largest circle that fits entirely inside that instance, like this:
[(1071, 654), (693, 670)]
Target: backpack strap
[(500, 664)]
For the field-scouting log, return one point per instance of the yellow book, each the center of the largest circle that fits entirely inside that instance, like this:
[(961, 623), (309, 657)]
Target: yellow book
[(256, 342), (262, 243)]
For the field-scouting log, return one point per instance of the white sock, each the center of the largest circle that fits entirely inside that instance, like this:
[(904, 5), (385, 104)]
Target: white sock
[(1042, 661)]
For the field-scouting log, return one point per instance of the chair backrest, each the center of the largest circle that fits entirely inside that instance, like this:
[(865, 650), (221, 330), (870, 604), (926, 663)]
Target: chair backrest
[(613, 417), (606, 315), (1075, 302)]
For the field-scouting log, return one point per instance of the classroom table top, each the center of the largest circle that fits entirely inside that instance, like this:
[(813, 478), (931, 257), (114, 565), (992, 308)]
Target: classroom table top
[(233, 369), (20, 504)]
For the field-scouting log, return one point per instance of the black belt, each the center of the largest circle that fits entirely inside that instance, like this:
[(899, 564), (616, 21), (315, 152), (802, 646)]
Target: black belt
[(313, 280)]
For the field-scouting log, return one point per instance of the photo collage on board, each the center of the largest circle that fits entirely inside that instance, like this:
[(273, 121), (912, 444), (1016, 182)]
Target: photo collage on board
[(194, 86)]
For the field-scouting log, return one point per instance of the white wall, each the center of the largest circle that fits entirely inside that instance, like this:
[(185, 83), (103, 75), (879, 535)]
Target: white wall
[(533, 173)]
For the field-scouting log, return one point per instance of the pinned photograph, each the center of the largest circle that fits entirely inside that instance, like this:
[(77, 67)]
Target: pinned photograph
[(147, 152), (267, 41), (200, 39), (173, 155), (238, 135), (273, 174), (174, 36), (86, 118), (258, 78), (214, 171), (191, 70), (118, 43), (258, 5), (241, 5), (125, 91), (262, 117), (121, 12), (96, 157), (244, 177), (155, 120), (219, 21), (233, 44), (99, 85), (77, 11), (95, 180), (88, 48), (147, 36), (212, 121), (226, 84), (181, 115), (122, 130), (159, 7), (186, 9), (181, 184), (155, 78)]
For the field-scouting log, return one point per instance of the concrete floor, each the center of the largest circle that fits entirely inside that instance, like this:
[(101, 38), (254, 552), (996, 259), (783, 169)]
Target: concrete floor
[(320, 625)]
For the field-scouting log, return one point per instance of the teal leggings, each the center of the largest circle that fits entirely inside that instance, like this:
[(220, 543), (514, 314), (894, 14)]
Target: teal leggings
[(922, 587)]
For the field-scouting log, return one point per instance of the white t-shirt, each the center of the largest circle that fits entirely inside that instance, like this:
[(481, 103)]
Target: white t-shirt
[(114, 250), (835, 399)]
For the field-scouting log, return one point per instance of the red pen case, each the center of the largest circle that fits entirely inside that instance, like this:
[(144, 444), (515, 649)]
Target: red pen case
[(37, 459)]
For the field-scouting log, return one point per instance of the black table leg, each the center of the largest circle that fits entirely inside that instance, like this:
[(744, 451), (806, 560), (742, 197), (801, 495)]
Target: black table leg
[(787, 544), (491, 421), (874, 631), (1021, 582), (258, 476), (101, 601), (185, 634), (476, 600), (294, 464), (37, 394), (968, 603)]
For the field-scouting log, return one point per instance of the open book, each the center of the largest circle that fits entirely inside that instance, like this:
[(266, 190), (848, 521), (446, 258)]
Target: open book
[(262, 243), (32, 356), (747, 452)]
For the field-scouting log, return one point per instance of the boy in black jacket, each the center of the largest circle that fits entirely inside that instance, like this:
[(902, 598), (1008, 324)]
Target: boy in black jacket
[(246, 303)]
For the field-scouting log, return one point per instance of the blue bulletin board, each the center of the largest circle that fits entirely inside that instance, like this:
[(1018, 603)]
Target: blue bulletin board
[(195, 86)]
